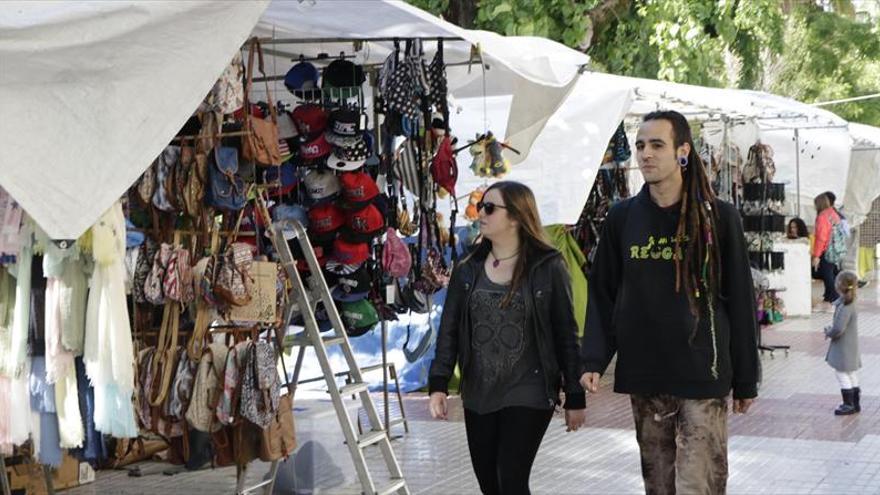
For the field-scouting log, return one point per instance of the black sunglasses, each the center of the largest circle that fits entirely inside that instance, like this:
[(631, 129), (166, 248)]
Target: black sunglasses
[(488, 206)]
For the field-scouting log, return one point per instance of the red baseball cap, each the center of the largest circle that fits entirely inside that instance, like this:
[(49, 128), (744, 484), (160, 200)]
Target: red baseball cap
[(349, 253), (310, 119), (314, 149), (320, 253), (326, 218), (358, 189), (363, 225)]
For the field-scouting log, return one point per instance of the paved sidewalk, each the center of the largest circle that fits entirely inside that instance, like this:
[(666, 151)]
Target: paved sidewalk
[(789, 443)]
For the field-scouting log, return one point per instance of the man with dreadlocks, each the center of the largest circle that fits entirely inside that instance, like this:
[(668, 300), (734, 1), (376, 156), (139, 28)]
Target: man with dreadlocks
[(670, 292)]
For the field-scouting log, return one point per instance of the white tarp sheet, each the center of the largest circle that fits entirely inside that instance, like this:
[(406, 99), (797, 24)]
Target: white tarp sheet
[(863, 183), (90, 93)]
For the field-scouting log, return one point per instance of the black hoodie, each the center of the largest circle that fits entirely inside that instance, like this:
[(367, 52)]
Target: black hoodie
[(634, 310)]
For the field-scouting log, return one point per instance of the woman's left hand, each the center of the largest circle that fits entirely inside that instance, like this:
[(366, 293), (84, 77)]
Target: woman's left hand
[(574, 419)]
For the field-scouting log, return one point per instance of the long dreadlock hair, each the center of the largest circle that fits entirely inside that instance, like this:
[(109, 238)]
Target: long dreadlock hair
[(698, 257)]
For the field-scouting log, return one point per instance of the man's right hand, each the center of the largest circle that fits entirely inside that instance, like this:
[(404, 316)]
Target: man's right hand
[(590, 382), (437, 405)]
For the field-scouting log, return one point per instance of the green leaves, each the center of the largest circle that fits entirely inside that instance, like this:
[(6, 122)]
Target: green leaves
[(804, 52)]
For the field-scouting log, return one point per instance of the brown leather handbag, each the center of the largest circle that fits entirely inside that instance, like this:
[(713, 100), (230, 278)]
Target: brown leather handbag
[(260, 143), (279, 438)]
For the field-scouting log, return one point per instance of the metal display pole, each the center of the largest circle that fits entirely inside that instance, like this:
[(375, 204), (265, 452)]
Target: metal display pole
[(377, 151), (797, 168)]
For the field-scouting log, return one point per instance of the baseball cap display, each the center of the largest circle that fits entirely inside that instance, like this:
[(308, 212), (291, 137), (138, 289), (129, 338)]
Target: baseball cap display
[(348, 158), (345, 127), (349, 253), (343, 74), (314, 149), (286, 128), (310, 120), (324, 221), (321, 187), (358, 189), (284, 177), (359, 317), (302, 76), (353, 286), (363, 225)]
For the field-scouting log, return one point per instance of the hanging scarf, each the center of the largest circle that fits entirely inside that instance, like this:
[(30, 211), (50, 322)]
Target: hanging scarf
[(109, 352)]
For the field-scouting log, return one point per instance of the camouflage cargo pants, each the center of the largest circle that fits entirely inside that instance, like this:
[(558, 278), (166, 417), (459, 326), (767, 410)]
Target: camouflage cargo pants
[(683, 444)]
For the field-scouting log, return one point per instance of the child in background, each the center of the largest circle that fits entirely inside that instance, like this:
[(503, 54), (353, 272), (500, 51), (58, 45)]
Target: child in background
[(843, 350)]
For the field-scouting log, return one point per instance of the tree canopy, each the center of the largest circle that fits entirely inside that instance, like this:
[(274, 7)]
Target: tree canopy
[(794, 48)]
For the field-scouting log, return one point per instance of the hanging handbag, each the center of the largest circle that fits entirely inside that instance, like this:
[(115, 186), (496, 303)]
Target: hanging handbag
[(203, 283), (227, 95), (165, 165), (206, 388), (153, 285), (226, 189), (259, 385), (233, 281), (146, 186), (260, 143), (192, 192), (178, 282), (146, 253), (279, 438)]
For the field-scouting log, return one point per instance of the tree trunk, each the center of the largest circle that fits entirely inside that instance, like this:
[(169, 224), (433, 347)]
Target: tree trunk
[(462, 13)]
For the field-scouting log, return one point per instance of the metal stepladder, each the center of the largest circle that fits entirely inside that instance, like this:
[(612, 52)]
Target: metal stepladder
[(304, 300)]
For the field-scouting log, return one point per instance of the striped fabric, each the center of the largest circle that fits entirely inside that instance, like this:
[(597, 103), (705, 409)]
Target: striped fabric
[(406, 167)]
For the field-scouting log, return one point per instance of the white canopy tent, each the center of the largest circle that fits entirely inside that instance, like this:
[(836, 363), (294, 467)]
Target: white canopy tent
[(99, 88), (811, 146), (863, 182)]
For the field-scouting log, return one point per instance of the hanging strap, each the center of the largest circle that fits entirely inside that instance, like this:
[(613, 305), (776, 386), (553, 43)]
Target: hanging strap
[(256, 49), (165, 349)]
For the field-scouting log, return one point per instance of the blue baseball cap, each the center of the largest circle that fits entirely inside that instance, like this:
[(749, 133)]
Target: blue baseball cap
[(301, 79)]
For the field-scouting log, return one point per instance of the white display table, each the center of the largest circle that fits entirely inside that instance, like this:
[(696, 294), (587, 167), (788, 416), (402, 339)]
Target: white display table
[(795, 278)]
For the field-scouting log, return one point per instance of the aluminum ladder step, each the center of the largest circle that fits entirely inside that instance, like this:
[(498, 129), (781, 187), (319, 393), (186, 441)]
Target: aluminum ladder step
[(371, 438), (396, 484), (353, 388)]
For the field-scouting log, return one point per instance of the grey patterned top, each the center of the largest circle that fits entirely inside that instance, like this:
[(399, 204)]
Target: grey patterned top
[(505, 370)]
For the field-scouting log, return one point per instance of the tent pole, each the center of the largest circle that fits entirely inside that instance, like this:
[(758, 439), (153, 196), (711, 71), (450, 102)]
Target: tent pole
[(296, 41), (377, 150), (797, 167)]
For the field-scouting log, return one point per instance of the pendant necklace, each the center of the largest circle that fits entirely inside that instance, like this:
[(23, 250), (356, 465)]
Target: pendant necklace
[(499, 260)]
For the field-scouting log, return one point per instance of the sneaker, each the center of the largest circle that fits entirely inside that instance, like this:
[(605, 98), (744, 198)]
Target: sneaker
[(863, 283)]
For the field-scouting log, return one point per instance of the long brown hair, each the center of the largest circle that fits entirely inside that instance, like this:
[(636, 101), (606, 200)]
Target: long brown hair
[(847, 281), (521, 207), (698, 256), (822, 202)]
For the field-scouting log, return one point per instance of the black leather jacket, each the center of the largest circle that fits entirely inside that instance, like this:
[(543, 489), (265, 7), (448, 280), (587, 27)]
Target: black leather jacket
[(549, 308)]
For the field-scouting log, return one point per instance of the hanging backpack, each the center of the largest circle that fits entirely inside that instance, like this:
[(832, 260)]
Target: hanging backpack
[(226, 190), (178, 282), (153, 285)]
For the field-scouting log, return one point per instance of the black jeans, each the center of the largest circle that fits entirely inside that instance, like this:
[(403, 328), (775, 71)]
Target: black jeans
[(828, 272), (503, 447)]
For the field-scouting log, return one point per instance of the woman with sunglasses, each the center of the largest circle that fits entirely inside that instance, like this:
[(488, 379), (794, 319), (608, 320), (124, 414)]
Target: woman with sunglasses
[(509, 324)]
